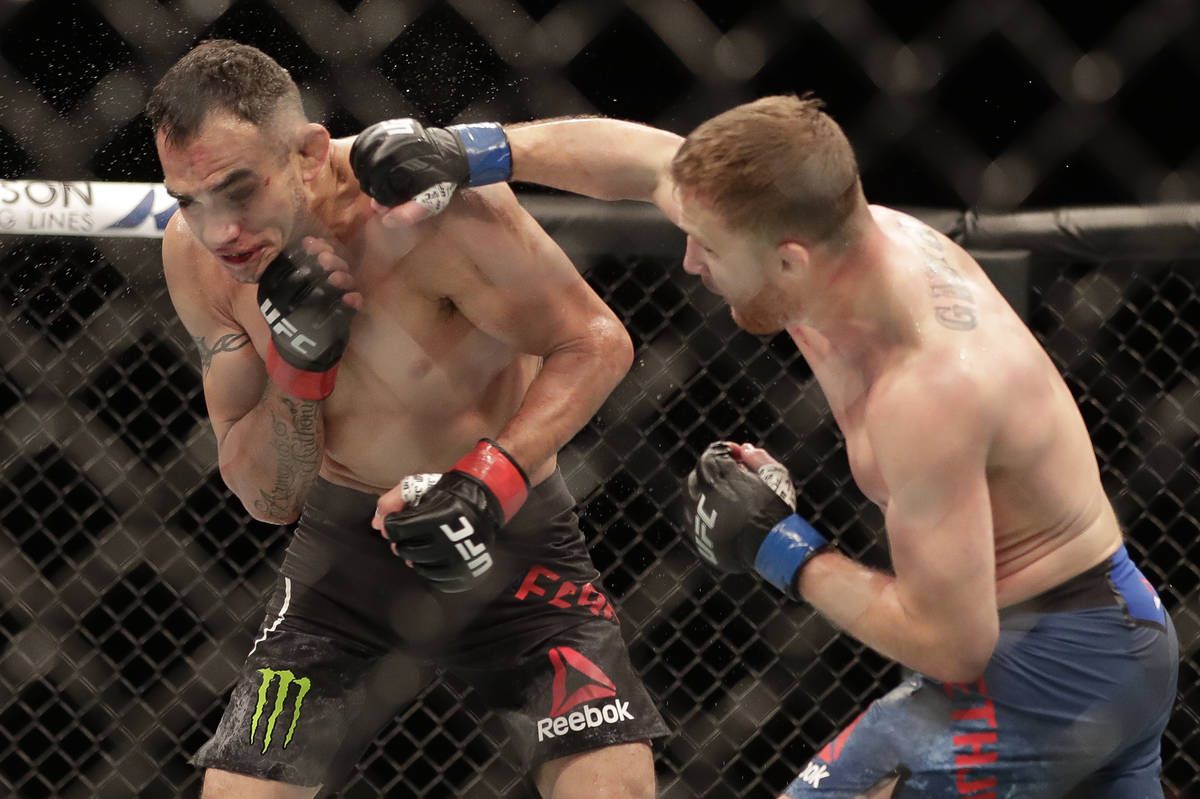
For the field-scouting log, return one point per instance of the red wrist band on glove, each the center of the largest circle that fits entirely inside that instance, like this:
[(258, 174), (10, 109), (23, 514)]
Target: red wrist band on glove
[(297, 382), (499, 472)]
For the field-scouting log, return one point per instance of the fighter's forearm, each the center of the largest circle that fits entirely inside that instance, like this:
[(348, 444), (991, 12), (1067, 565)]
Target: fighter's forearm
[(269, 458), (865, 603), (568, 390), (607, 159)]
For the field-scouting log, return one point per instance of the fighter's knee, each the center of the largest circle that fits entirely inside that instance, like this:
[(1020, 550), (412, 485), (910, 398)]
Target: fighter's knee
[(884, 791), (880, 792), (889, 785), (220, 784), (623, 771), (886, 787)]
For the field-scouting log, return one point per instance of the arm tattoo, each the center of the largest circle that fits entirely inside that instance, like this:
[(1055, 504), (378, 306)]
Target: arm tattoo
[(296, 442), (956, 308), (226, 343)]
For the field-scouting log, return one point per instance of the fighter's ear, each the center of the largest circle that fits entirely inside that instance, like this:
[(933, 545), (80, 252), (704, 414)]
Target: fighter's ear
[(313, 149), (793, 255)]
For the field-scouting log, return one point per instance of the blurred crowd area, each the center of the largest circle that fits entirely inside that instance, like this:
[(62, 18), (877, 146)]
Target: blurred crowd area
[(948, 102)]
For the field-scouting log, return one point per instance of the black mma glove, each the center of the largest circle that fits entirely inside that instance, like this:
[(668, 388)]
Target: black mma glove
[(310, 325), (447, 529), (740, 521), (400, 160)]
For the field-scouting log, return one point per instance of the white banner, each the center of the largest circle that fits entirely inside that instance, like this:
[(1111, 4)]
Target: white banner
[(84, 208)]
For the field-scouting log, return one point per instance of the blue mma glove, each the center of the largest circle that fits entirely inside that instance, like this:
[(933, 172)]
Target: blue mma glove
[(398, 160), (741, 521)]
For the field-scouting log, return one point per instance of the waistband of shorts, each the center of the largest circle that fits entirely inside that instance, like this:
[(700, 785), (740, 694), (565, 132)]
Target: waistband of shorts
[(337, 505), (1114, 582)]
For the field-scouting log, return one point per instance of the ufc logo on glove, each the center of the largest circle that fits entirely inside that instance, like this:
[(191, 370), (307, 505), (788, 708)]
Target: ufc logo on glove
[(704, 523), (281, 327), (750, 523), (478, 559), (449, 520)]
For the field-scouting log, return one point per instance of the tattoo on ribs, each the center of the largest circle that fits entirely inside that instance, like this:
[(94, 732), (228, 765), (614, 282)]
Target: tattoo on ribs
[(955, 306), (296, 443), (226, 343)]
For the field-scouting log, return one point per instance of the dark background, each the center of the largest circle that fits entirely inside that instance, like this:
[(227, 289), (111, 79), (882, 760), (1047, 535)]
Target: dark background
[(949, 103), (130, 581)]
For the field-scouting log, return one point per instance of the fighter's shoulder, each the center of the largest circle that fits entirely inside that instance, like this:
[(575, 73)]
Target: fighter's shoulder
[(491, 227), (886, 215), (926, 229), (494, 202), (195, 280), (931, 390), (184, 257)]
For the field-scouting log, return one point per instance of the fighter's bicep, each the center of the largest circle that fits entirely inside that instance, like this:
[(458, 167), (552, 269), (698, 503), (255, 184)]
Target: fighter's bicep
[(938, 519), (536, 319), (232, 373), (940, 534), (218, 343), (524, 289), (945, 581)]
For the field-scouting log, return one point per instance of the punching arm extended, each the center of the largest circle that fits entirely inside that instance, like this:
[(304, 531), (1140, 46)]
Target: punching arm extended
[(607, 159), (402, 164)]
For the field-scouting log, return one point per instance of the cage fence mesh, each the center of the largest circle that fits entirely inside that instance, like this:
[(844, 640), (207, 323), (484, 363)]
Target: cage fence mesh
[(131, 580)]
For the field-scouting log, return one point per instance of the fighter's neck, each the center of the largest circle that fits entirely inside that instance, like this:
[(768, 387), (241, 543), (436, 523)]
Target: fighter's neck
[(334, 200), (862, 316)]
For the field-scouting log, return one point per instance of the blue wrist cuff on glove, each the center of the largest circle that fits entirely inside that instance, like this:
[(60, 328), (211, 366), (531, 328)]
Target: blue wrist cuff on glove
[(488, 153), (785, 549)]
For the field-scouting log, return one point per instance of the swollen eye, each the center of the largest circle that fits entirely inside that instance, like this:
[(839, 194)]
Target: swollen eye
[(241, 197)]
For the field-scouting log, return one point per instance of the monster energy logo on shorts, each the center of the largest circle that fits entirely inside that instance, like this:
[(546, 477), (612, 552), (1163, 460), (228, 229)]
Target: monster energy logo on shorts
[(286, 680)]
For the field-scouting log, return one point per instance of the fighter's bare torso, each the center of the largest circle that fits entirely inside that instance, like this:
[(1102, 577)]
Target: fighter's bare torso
[(1051, 518), (419, 384)]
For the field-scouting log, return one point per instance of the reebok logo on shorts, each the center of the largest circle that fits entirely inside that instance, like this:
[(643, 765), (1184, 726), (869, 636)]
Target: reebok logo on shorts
[(816, 771), (572, 667), (566, 660), (813, 774)]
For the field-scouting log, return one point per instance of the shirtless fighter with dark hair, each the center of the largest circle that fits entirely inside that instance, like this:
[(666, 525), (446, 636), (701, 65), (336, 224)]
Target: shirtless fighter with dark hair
[(368, 381)]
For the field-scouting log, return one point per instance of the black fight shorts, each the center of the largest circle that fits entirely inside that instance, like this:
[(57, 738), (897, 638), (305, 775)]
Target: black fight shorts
[(351, 635)]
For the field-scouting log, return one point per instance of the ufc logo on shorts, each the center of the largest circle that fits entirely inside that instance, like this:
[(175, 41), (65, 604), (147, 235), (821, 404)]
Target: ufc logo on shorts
[(704, 523), (474, 553), (282, 327)]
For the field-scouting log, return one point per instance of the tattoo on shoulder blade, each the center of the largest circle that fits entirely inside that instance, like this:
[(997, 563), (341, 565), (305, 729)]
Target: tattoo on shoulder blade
[(226, 343), (955, 306)]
